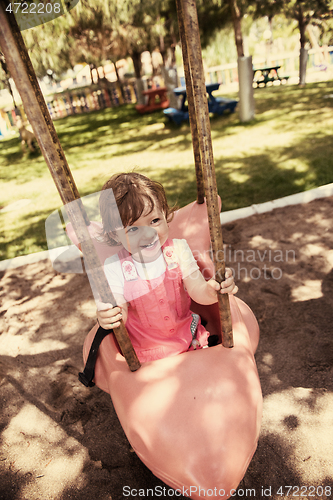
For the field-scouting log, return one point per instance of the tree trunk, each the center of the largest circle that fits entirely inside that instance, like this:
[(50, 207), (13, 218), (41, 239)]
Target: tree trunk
[(118, 80), (303, 59), (303, 52), (91, 67), (173, 51), (246, 107), (163, 50), (12, 94), (116, 70), (236, 18), (169, 76), (245, 74), (136, 58), (302, 26)]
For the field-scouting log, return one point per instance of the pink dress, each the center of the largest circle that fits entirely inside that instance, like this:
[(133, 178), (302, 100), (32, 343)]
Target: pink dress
[(160, 322)]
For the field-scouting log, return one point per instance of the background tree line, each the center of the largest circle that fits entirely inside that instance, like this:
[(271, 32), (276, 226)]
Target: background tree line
[(96, 31)]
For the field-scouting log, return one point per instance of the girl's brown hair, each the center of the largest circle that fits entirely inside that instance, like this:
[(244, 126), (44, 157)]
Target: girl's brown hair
[(132, 193)]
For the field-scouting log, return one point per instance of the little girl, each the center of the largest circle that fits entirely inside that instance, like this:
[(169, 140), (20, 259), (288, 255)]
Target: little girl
[(153, 278)]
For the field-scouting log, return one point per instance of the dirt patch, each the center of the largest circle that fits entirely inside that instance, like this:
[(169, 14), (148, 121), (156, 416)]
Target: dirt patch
[(59, 440)]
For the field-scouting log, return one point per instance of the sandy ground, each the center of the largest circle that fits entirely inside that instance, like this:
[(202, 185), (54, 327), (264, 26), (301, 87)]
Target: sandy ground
[(60, 440)]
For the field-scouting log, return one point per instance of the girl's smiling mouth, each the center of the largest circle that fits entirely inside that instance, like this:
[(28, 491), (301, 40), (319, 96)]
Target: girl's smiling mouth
[(150, 245)]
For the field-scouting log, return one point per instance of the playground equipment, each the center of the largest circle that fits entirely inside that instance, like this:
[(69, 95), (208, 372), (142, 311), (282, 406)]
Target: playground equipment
[(194, 418)]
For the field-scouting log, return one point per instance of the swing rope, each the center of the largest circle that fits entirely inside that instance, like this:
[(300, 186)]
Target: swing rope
[(22, 71), (202, 145), (190, 100)]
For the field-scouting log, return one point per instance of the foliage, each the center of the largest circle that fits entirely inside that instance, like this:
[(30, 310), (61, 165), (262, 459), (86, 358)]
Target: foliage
[(45, 54), (90, 26), (221, 48), (140, 29), (284, 35), (99, 30), (303, 11), (212, 16), (326, 32)]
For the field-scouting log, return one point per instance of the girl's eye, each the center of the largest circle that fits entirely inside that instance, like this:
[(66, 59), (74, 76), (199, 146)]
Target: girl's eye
[(132, 229), (155, 221)]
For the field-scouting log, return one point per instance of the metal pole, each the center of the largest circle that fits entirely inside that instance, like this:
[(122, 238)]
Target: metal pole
[(198, 108), (22, 72)]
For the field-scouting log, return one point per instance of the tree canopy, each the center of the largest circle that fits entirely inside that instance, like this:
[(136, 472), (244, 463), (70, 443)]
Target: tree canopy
[(99, 30)]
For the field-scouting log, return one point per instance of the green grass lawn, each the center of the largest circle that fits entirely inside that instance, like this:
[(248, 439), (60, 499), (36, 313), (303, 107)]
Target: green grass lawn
[(287, 148)]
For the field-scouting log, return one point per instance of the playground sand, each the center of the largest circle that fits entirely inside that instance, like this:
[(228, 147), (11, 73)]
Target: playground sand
[(60, 440)]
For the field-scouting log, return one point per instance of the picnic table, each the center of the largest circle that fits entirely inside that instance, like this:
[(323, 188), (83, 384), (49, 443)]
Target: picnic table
[(267, 74), (216, 105), (157, 99)]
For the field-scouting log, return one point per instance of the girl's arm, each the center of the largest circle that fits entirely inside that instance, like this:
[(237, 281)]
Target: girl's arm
[(109, 317), (205, 292)]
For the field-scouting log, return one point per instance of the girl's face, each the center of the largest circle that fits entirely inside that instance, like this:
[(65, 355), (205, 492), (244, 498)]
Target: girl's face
[(144, 238)]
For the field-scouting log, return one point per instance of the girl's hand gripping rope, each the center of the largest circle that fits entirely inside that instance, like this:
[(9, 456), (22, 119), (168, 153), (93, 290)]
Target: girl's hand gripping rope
[(227, 286), (108, 316)]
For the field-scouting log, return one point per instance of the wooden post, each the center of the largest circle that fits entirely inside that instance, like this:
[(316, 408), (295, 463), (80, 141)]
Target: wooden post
[(198, 110), (190, 100), (22, 72)]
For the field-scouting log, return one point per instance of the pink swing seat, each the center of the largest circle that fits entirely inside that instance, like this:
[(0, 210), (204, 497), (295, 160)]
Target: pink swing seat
[(193, 419)]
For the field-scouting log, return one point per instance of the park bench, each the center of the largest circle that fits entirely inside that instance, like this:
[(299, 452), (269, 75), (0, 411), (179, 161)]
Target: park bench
[(263, 76), (157, 99), (176, 115), (216, 105), (221, 104)]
